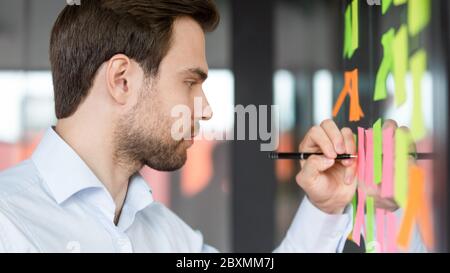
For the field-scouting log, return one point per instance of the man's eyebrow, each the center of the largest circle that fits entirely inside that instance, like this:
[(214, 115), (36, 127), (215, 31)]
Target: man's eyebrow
[(199, 72)]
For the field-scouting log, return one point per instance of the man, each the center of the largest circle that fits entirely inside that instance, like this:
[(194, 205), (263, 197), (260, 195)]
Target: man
[(119, 67)]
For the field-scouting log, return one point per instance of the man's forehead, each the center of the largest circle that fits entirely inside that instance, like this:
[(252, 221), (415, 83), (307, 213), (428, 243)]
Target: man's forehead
[(187, 49)]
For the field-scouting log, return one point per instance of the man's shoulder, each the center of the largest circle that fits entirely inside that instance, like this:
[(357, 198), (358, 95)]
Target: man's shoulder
[(18, 179)]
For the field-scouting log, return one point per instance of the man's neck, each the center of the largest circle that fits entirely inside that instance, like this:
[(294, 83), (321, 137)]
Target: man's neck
[(97, 151)]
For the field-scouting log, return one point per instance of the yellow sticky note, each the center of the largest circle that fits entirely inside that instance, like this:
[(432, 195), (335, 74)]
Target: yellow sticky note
[(419, 13), (400, 51), (418, 65), (385, 66), (377, 151), (402, 143), (385, 4)]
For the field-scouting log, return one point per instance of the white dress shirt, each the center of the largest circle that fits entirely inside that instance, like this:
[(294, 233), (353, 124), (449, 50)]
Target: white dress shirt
[(53, 202)]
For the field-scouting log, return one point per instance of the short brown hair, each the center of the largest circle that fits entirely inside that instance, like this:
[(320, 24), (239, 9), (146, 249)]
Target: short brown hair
[(85, 36)]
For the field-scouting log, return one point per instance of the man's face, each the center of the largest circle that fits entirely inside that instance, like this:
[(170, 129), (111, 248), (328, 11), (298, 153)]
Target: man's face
[(144, 133)]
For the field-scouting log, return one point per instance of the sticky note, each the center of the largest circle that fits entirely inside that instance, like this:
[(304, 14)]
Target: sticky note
[(369, 159), (350, 89), (380, 228), (377, 151), (359, 221), (385, 4), (402, 142), (385, 66), (399, 2), (370, 222), (391, 232), (351, 29), (416, 188), (355, 25), (418, 65), (354, 204), (400, 65), (417, 211), (348, 33), (425, 222), (419, 13), (387, 187), (361, 154)]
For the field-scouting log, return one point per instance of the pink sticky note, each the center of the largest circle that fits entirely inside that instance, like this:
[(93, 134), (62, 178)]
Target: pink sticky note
[(369, 159), (359, 219), (387, 186), (379, 218), (391, 245), (361, 154)]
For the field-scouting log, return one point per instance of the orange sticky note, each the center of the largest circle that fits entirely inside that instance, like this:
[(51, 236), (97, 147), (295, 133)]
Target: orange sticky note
[(350, 89), (415, 186)]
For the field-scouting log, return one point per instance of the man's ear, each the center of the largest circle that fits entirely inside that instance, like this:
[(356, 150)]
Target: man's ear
[(118, 78)]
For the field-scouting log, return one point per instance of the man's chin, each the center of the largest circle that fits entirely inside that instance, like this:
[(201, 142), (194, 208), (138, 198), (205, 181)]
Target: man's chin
[(173, 165)]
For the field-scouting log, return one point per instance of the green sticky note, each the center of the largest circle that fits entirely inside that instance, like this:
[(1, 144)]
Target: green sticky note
[(355, 25), (370, 219), (385, 66), (354, 204), (419, 13), (400, 2), (402, 143), (418, 65), (385, 4), (377, 151), (348, 33), (400, 64)]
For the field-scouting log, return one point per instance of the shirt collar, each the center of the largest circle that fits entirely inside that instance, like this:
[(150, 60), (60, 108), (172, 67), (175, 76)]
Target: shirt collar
[(139, 196), (64, 172)]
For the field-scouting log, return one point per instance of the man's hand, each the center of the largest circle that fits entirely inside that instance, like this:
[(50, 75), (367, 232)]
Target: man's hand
[(329, 184)]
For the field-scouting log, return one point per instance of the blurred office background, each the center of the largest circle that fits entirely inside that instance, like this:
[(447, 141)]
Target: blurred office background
[(283, 52)]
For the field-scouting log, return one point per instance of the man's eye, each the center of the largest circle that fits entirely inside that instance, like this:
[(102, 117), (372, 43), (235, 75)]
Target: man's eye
[(190, 83)]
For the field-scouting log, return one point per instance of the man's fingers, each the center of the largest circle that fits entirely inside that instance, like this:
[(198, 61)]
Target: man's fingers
[(312, 167), (316, 138), (334, 134), (390, 123), (350, 173)]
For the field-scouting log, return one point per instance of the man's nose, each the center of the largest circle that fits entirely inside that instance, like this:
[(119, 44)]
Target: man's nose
[(207, 112)]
